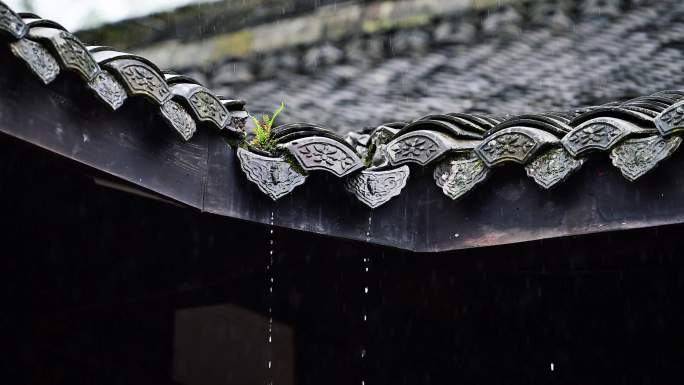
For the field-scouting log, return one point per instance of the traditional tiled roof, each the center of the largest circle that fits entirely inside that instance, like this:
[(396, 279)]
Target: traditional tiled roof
[(544, 56), (462, 149)]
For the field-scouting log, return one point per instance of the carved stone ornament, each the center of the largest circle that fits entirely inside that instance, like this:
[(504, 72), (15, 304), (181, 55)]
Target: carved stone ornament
[(208, 108), (274, 176), (11, 23), (514, 144), (71, 53), (140, 79), (552, 167), (75, 56), (321, 153), (108, 89), (456, 175), (671, 120), (179, 119), (38, 59), (599, 134), (636, 157), (423, 147), (375, 188)]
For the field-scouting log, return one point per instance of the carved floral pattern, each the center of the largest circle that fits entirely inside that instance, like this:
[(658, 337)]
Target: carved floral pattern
[(415, 147), (636, 157), (142, 80), (418, 148), (512, 146), (39, 60), (181, 121), (458, 175), (274, 176), (321, 153), (552, 167), (601, 134), (375, 188), (209, 108), (326, 154), (598, 135), (108, 89), (671, 119), (75, 56), (11, 23), (674, 117)]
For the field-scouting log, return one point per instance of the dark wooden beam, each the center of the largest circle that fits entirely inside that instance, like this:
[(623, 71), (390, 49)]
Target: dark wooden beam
[(135, 146)]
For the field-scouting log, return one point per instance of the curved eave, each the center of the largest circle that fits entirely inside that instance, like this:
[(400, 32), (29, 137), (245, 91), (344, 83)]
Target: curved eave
[(204, 173)]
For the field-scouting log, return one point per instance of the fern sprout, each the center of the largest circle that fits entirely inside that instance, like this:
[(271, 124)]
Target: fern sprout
[(262, 130)]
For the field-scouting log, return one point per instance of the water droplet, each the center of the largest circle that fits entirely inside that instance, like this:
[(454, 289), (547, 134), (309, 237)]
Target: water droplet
[(365, 289), (269, 364), (363, 353), (552, 366), (365, 318)]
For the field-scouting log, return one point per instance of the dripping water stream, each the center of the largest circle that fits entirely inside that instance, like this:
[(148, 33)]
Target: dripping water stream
[(366, 263), (270, 282)]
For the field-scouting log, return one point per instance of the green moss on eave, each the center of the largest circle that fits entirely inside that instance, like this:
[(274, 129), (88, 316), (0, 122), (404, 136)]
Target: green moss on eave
[(293, 163)]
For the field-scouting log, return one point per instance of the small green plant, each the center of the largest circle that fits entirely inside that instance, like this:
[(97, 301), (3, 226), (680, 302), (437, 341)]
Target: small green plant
[(262, 131)]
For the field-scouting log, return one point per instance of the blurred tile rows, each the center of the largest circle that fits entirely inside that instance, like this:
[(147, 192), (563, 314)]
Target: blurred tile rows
[(502, 64)]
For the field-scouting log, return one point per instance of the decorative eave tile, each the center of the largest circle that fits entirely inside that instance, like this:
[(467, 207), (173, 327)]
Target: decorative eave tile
[(325, 154), (514, 144), (553, 166), (70, 52), (636, 157), (107, 88), (38, 59), (671, 120), (140, 79), (374, 188), (274, 176), (599, 134), (238, 115), (458, 174), (423, 147), (204, 105), (11, 23), (179, 119)]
